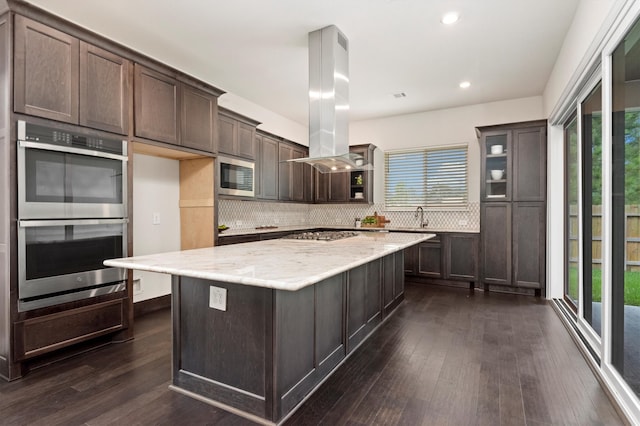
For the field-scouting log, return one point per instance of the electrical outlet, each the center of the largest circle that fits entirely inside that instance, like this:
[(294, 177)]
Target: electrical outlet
[(156, 218), (137, 286), (218, 298)]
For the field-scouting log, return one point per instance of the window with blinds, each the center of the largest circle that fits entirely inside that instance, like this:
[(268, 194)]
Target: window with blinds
[(431, 177)]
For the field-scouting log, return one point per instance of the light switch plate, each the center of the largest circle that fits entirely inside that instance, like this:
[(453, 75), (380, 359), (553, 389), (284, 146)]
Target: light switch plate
[(218, 298)]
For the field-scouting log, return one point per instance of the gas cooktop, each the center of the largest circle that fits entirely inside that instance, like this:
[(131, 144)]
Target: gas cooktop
[(322, 235)]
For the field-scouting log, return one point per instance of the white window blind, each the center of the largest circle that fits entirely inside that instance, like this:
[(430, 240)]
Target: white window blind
[(435, 177)]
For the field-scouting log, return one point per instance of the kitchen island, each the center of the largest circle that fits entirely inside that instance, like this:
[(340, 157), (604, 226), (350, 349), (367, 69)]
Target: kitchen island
[(258, 326)]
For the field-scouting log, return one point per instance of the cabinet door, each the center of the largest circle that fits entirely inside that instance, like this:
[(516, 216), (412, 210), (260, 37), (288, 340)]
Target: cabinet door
[(46, 72), (269, 168), (199, 111), (356, 309), (339, 186), (411, 260), (430, 259), (297, 177), (495, 243), (308, 176), (529, 244), (374, 292), (227, 135), (246, 145), (285, 152), (495, 172), (461, 257), (321, 186), (529, 164), (104, 90), (156, 105)]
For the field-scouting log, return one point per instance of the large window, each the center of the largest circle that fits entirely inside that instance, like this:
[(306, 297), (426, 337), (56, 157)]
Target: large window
[(572, 227), (426, 177), (625, 209)]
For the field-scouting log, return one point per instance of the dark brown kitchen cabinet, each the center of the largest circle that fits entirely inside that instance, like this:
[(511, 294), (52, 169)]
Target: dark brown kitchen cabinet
[(46, 71), (347, 187), (448, 257), (60, 77), (236, 135), (104, 89), (513, 159), (198, 119), (267, 167), (512, 207), (156, 105), (430, 258), (285, 153), (495, 237), (364, 309), (461, 256), (529, 244), (392, 281), (297, 176), (293, 178)]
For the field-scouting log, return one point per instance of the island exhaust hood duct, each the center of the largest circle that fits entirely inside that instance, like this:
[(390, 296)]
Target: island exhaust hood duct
[(329, 104)]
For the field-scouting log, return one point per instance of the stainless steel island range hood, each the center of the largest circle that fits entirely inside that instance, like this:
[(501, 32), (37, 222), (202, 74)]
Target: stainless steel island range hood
[(329, 104)]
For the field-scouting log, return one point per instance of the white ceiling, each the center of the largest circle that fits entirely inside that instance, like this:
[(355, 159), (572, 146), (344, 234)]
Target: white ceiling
[(257, 49)]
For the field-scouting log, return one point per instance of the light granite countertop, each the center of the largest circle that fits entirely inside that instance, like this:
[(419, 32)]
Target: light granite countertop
[(251, 231), (281, 264)]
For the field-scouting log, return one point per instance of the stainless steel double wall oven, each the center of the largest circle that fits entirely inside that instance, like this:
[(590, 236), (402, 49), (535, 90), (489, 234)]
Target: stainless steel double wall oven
[(72, 215)]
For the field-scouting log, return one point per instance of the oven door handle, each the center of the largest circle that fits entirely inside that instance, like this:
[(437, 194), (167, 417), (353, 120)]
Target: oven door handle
[(63, 222), (72, 150)]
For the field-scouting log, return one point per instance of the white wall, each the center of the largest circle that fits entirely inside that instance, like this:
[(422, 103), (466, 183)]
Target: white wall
[(156, 189), (587, 23), (446, 127), (271, 122)]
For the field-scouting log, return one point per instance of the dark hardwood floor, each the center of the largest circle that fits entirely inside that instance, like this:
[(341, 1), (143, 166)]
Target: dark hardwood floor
[(447, 356)]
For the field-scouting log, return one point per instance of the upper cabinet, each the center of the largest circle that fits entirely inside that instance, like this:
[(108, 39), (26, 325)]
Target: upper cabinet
[(346, 187), (267, 167), (236, 135), (156, 105), (198, 118), (513, 162), (104, 89), (171, 111), (294, 179), (59, 77)]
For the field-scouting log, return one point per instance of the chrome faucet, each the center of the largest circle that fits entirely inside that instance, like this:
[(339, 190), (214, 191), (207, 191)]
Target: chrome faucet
[(420, 211)]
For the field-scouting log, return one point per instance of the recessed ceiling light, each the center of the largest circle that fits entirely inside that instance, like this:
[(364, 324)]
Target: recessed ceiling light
[(450, 18), (465, 85)]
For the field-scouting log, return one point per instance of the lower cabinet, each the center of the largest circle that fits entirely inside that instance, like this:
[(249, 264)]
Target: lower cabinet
[(513, 245), (40, 335), (278, 345), (446, 257)]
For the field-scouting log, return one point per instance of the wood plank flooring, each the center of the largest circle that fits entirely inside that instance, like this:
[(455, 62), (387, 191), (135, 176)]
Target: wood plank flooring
[(448, 356)]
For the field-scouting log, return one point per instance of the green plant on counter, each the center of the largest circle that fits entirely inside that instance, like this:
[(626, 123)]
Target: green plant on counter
[(369, 220)]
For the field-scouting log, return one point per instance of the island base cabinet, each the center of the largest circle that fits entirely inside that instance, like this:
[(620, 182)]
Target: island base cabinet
[(267, 350)]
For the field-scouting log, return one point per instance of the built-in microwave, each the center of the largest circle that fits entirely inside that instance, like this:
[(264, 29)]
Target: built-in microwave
[(236, 177)]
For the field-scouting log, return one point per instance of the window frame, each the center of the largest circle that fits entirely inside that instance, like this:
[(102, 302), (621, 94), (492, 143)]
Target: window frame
[(459, 206)]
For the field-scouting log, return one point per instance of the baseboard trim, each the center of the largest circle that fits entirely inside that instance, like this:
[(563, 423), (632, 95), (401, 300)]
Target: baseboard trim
[(151, 305)]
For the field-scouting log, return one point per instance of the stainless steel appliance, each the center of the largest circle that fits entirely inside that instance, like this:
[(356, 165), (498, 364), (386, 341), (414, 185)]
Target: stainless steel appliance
[(63, 175), (72, 215), (237, 177), (321, 235), (61, 260)]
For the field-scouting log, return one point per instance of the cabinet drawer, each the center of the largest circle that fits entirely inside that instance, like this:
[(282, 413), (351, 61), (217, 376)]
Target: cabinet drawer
[(47, 333)]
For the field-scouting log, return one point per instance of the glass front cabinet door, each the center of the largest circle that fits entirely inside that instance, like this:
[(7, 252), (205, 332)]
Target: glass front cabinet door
[(496, 166)]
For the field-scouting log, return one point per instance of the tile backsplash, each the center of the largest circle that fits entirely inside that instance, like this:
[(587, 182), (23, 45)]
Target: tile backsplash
[(240, 214)]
